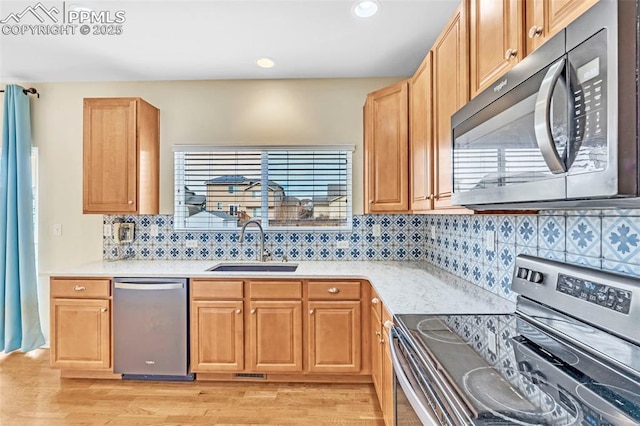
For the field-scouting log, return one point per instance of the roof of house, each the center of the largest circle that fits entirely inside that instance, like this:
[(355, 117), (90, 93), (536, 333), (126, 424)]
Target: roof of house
[(241, 180)]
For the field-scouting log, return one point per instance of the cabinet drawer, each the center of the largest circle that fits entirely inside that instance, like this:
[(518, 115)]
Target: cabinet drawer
[(334, 290), (210, 289), (376, 303), (275, 289), (80, 288)]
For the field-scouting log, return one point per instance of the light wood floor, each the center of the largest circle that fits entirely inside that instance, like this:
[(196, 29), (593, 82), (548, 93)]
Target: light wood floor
[(33, 394)]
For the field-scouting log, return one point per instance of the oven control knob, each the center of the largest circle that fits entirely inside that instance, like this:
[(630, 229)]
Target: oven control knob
[(536, 277), (522, 273)]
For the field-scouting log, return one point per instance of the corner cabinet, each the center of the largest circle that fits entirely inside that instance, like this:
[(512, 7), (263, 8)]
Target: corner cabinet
[(450, 93), (121, 156), (80, 312), (386, 150)]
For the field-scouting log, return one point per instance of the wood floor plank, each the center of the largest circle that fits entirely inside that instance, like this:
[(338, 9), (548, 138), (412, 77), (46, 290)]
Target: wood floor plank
[(32, 394)]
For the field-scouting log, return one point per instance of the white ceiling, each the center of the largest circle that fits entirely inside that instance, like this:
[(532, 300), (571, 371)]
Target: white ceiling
[(222, 39)]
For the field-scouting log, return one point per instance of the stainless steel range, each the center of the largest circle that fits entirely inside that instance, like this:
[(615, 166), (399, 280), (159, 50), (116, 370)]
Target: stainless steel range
[(569, 355)]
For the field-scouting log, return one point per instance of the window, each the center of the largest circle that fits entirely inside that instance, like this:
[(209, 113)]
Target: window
[(292, 187)]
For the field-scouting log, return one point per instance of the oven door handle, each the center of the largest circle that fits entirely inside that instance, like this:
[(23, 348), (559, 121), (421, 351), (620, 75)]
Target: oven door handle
[(400, 374), (542, 119)]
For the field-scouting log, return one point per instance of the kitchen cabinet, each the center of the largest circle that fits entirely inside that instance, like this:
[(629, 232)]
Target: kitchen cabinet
[(495, 40), (386, 150), (388, 394), (334, 327), (80, 310), (421, 137), (275, 326), (120, 156), (450, 92), (376, 346), (217, 325), (544, 18)]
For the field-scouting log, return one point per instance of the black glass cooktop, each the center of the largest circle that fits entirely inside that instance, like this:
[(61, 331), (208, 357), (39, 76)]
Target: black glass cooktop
[(507, 369)]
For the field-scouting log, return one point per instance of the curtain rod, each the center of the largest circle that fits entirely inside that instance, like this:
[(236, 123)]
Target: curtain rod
[(29, 91)]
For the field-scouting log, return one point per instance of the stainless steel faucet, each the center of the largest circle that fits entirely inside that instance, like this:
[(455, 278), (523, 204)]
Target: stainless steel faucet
[(263, 255)]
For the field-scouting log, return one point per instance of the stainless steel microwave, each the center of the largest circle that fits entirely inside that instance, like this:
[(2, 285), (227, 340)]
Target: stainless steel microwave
[(560, 130)]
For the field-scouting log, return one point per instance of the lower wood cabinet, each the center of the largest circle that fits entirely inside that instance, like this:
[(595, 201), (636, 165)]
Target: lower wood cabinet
[(388, 397), (335, 337), (376, 346), (217, 336), (80, 312), (275, 336)]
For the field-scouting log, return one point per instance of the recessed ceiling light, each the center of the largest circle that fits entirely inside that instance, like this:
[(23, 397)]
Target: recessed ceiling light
[(366, 8), (265, 63)]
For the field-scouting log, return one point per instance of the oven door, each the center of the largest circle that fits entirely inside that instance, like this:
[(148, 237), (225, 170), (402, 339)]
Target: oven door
[(416, 402)]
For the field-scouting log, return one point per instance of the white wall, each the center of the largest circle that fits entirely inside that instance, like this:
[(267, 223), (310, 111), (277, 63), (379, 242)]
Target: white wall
[(313, 111)]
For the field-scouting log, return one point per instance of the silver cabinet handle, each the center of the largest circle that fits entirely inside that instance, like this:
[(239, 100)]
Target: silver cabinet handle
[(510, 53), (375, 301), (238, 311), (535, 31), (334, 290), (388, 324), (130, 202), (311, 311), (103, 310), (79, 288), (377, 333), (542, 118), (253, 311)]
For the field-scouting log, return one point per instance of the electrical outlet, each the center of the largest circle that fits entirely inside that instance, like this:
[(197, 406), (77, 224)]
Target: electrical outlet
[(490, 240), (342, 244), (433, 232), (57, 229), (153, 230), (192, 243), (376, 230), (106, 230)]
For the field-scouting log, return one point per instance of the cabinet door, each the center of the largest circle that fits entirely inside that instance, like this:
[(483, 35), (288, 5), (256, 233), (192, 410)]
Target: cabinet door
[(421, 137), (217, 336), (496, 38), (335, 337), (451, 92), (388, 403), (80, 334), (544, 18), (387, 150), (110, 159), (376, 353), (275, 336)]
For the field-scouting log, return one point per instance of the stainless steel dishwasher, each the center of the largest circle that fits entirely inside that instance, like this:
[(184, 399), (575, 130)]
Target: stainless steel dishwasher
[(150, 328)]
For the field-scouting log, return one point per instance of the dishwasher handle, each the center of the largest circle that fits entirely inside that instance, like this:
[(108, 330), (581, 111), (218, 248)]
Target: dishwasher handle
[(149, 286)]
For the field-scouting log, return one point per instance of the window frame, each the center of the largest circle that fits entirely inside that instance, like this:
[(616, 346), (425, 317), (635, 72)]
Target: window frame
[(348, 149)]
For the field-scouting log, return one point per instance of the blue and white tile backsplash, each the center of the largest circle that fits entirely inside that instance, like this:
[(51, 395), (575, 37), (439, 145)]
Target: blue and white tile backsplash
[(608, 239)]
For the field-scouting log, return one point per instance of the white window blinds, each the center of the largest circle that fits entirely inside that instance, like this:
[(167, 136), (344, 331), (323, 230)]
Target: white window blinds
[(291, 188)]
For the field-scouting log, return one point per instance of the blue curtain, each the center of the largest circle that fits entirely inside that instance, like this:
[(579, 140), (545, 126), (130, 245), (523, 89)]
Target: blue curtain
[(19, 318)]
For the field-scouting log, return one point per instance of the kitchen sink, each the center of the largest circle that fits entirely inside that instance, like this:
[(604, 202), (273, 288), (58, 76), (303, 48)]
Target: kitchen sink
[(254, 267)]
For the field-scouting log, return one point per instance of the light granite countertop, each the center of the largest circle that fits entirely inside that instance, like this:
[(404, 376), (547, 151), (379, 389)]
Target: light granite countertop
[(404, 287)]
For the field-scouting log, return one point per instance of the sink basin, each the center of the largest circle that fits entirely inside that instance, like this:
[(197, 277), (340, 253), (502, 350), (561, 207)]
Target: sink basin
[(254, 267)]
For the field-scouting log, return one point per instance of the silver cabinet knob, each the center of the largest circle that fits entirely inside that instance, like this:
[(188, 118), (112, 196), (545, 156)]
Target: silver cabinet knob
[(535, 31), (79, 288), (103, 310), (253, 311), (388, 324), (238, 311), (375, 301), (510, 53), (334, 290), (311, 311)]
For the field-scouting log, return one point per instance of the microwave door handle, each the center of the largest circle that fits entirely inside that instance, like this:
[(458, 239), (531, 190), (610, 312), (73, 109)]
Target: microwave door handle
[(542, 119)]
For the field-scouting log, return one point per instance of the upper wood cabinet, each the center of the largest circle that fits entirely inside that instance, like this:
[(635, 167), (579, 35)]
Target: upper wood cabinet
[(544, 18), (386, 150), (121, 156), (421, 137), (495, 40), (450, 92)]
